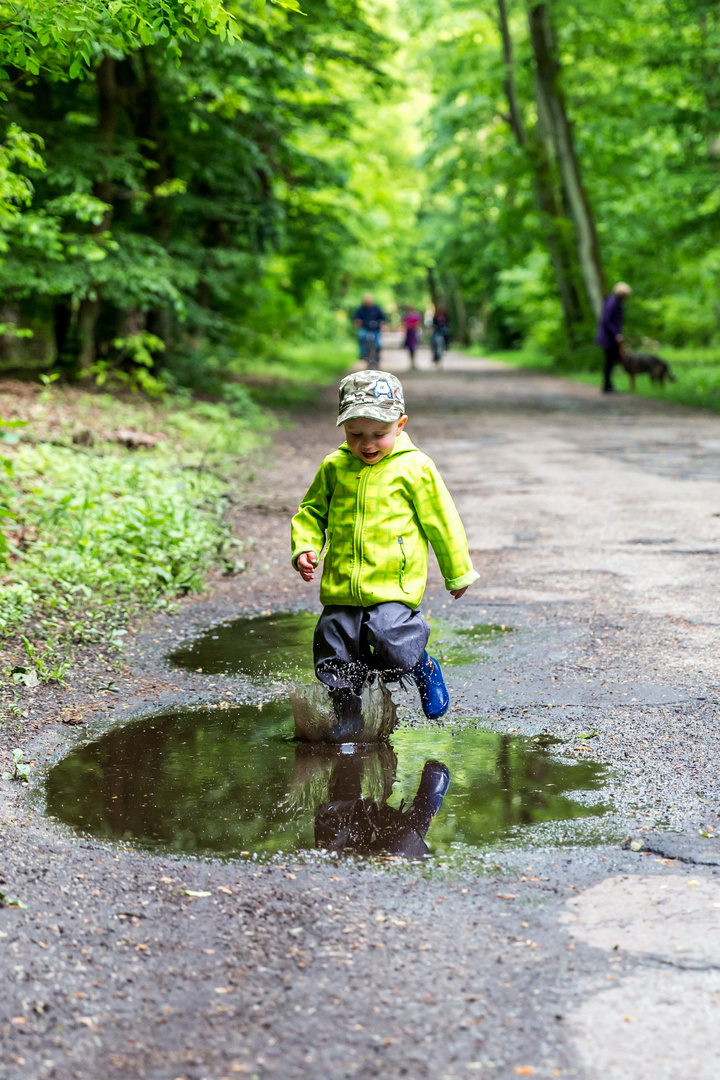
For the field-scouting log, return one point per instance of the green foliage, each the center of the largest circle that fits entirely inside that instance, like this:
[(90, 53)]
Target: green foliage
[(21, 772), (139, 351), (8, 434), (297, 373), (16, 191), (643, 93), (107, 528), (95, 534), (134, 224), (65, 36)]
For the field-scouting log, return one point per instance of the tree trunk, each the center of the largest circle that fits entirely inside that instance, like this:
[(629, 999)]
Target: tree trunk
[(432, 286), (9, 343), (460, 311), (108, 99), (557, 227), (150, 123), (552, 105)]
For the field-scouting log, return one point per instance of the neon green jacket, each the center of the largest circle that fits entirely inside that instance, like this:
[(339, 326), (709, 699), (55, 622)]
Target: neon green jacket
[(378, 520)]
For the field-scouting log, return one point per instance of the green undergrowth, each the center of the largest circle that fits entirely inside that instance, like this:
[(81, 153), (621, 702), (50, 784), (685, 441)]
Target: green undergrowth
[(697, 371), (111, 505), (94, 532), (298, 374)]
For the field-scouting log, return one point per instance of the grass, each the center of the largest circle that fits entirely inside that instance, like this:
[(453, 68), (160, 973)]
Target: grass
[(94, 533), (697, 371), (294, 377)]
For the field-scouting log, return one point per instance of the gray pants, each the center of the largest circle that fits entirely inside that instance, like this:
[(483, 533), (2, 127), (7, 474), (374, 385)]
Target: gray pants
[(351, 641)]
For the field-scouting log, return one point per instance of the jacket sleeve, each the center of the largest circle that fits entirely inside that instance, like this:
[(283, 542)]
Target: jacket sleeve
[(441, 524), (310, 523)]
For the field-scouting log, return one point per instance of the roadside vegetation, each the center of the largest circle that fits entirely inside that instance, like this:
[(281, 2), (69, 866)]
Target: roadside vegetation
[(697, 371), (114, 504)]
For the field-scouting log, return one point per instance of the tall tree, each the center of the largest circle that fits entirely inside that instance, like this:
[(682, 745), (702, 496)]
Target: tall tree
[(557, 226), (553, 114)]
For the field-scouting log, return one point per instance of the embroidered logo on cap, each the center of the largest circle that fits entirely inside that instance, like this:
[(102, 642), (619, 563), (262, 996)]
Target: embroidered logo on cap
[(382, 389)]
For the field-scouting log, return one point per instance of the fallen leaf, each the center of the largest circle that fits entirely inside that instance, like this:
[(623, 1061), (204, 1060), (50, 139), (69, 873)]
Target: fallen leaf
[(505, 895), (524, 1070), (194, 892), (10, 901)]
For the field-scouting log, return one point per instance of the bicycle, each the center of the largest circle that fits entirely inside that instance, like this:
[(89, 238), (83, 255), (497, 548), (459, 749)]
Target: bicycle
[(438, 344), (370, 346)]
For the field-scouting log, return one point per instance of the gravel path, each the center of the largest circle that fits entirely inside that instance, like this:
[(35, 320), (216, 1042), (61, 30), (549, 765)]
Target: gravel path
[(595, 524)]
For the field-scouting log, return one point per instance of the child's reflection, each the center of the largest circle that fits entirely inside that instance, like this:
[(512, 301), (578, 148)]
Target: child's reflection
[(350, 821)]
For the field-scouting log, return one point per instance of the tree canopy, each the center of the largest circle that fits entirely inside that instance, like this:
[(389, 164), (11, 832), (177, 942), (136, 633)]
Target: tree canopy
[(180, 182)]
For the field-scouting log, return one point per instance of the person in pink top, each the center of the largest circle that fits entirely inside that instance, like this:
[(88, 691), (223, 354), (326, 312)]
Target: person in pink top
[(411, 322)]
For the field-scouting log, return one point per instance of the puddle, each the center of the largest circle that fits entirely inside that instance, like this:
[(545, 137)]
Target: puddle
[(225, 782), (281, 645)]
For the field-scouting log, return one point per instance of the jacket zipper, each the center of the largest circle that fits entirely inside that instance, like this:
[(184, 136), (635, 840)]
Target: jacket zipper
[(363, 479), (403, 562)]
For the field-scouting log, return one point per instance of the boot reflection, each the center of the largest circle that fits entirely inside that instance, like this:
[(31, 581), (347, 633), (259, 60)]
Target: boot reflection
[(355, 815)]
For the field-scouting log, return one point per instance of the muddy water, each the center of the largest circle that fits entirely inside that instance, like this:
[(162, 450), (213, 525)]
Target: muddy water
[(232, 781), (281, 645)]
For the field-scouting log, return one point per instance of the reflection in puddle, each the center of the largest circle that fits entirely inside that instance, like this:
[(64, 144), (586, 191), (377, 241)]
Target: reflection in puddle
[(226, 781), (281, 645)]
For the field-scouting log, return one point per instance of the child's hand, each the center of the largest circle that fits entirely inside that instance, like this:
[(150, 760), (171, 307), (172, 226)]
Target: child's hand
[(306, 564), (456, 593)]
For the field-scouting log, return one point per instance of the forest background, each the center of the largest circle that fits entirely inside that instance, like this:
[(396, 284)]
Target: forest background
[(193, 198), (180, 202)]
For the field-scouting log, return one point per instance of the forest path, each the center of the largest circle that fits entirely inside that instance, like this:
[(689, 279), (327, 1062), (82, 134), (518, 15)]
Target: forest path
[(594, 524)]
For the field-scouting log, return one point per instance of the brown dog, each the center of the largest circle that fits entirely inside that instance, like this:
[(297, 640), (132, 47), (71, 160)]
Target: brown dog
[(646, 364)]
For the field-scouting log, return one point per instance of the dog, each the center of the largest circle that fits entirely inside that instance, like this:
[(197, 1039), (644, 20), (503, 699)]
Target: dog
[(646, 364)]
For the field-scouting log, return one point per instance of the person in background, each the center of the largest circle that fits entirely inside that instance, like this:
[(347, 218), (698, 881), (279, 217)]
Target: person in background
[(441, 331), (411, 322), (609, 334), (369, 319)]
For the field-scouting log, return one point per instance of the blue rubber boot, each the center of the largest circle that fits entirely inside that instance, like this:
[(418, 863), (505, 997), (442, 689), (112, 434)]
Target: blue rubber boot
[(434, 782), (434, 697)]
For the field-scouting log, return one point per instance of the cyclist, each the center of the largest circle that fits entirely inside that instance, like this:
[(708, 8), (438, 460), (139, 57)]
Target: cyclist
[(441, 331), (369, 318)]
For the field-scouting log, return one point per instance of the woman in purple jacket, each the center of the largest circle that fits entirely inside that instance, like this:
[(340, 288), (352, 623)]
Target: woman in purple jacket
[(609, 335)]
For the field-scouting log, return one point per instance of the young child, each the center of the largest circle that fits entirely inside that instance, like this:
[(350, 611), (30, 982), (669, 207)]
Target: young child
[(373, 507)]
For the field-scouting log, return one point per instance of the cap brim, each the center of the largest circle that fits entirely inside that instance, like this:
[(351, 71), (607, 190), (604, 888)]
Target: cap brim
[(370, 412)]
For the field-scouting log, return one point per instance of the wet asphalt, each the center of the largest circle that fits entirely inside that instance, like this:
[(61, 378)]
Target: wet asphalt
[(595, 525)]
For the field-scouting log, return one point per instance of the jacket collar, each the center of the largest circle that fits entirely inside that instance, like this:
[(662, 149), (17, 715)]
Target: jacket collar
[(403, 444)]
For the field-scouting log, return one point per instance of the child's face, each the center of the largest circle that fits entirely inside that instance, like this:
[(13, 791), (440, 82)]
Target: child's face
[(371, 440)]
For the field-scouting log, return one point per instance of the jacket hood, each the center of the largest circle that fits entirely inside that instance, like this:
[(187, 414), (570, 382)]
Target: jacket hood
[(403, 444)]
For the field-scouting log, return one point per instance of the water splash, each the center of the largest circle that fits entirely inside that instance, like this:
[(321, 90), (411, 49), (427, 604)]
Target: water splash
[(316, 720)]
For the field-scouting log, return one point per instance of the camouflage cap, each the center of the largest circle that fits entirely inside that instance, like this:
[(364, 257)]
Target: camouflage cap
[(377, 395)]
